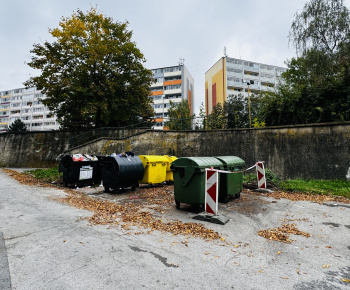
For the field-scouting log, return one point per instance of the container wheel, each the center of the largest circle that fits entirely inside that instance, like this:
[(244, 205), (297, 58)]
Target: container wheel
[(238, 195), (133, 187), (177, 204)]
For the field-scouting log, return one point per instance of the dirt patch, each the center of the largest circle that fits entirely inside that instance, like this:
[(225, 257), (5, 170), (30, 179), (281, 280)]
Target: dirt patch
[(247, 204)]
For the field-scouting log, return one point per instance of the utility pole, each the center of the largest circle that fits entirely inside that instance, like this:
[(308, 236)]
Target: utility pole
[(250, 118)]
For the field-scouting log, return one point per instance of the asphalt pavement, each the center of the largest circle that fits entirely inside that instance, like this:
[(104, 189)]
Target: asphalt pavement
[(46, 244)]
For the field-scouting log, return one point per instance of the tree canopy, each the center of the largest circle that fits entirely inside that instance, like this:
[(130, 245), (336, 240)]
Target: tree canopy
[(17, 126), (316, 85), (234, 113), (92, 73), (180, 117), (322, 24)]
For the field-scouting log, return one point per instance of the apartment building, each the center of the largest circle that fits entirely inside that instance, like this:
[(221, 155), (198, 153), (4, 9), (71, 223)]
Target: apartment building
[(24, 104), (174, 84), (232, 76)]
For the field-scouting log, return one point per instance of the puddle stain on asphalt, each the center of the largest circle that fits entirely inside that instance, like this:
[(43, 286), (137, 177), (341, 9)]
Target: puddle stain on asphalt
[(159, 257)]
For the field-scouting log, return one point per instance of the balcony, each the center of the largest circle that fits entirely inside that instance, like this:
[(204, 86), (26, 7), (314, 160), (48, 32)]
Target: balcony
[(171, 74), (156, 85), (172, 92), (235, 84)]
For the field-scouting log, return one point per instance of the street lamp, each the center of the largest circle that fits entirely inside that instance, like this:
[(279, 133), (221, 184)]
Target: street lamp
[(250, 118)]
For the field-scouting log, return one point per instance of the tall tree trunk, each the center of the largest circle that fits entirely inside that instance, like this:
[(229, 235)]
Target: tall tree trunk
[(98, 122)]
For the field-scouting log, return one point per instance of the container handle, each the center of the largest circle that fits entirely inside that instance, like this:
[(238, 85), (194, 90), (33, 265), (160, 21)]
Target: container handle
[(189, 171)]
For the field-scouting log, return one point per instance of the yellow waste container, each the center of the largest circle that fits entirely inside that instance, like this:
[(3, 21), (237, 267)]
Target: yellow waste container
[(169, 173), (155, 169)]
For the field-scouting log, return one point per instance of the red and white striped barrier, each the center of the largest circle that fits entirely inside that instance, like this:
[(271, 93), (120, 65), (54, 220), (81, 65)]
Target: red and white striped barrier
[(211, 184), (260, 172), (211, 191)]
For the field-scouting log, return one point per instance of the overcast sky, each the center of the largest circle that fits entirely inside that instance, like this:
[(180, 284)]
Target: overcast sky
[(165, 31)]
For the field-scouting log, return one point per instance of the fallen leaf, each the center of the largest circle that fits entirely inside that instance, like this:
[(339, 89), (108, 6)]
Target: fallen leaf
[(284, 277), (346, 280), (329, 247), (278, 253)]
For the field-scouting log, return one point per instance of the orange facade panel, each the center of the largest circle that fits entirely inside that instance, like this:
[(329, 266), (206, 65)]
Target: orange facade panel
[(159, 120), (157, 93), (175, 82), (190, 101)]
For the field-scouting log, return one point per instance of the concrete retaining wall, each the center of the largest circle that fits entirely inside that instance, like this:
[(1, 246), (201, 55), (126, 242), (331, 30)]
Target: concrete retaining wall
[(319, 151)]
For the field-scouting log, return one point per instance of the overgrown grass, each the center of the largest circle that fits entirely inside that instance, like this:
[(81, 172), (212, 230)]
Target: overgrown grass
[(326, 187), (270, 177), (46, 175)]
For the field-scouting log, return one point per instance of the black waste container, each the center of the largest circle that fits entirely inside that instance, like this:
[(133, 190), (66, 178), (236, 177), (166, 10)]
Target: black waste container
[(80, 170), (121, 172)]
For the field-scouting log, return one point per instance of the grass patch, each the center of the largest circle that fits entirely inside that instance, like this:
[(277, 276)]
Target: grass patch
[(46, 175), (251, 179), (338, 187), (326, 187)]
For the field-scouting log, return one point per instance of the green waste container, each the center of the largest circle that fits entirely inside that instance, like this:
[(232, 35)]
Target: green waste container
[(231, 184), (189, 178)]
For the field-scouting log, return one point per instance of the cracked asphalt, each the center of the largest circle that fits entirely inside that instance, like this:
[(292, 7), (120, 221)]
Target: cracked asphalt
[(45, 244)]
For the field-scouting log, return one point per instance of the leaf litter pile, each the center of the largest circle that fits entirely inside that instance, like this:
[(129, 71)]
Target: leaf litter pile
[(110, 213), (26, 178), (131, 214), (297, 196), (283, 233), (128, 214)]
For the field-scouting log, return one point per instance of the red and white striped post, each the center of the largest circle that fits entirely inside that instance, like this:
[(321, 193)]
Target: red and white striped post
[(211, 191), (260, 171)]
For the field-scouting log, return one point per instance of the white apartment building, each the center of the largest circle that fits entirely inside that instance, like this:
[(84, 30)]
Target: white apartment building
[(174, 84), (232, 76), (24, 104), (170, 84)]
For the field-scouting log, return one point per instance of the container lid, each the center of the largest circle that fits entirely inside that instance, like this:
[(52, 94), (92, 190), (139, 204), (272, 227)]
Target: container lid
[(197, 162), (231, 160), (154, 158)]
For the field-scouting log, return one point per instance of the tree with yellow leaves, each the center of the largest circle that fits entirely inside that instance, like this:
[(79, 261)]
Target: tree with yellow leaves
[(92, 73)]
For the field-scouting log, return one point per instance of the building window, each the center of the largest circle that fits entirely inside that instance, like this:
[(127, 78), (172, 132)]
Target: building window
[(172, 87)]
